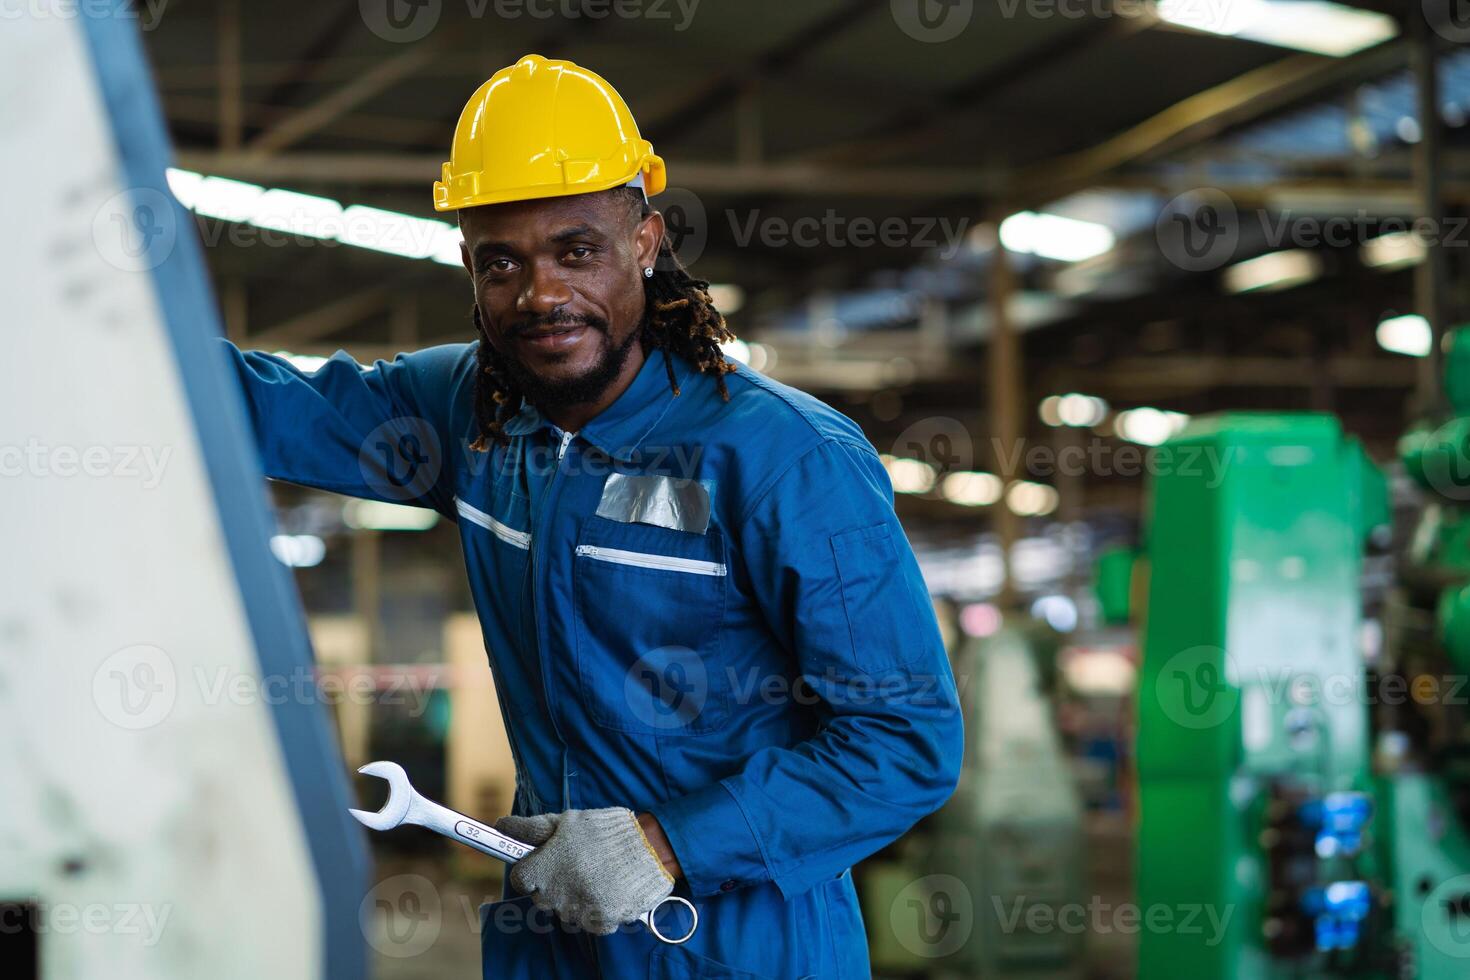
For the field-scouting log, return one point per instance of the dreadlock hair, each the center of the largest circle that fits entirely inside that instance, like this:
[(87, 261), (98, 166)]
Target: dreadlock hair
[(679, 318)]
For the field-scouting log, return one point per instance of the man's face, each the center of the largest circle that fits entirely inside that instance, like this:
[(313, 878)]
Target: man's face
[(559, 285)]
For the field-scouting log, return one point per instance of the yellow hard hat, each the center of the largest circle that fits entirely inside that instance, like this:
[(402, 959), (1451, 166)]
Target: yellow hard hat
[(544, 129)]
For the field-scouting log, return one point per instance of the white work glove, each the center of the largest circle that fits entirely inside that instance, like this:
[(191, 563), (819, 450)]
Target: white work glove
[(594, 868)]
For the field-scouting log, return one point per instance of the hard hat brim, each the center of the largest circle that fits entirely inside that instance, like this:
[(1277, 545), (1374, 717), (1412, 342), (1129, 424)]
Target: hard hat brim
[(455, 193)]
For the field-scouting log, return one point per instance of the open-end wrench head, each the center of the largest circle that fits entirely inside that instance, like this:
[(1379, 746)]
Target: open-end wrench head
[(400, 796)]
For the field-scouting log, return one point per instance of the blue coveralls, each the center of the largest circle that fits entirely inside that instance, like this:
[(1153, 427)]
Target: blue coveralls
[(772, 686)]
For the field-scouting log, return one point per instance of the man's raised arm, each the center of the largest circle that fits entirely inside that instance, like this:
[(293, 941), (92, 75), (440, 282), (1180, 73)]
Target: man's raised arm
[(383, 432)]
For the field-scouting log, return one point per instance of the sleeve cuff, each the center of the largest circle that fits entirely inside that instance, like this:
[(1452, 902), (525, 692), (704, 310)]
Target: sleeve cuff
[(712, 840)]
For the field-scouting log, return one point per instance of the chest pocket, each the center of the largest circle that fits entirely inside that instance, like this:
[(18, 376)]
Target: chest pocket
[(649, 604)]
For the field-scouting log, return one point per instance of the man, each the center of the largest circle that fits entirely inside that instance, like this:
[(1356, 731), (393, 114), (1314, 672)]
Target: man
[(719, 668)]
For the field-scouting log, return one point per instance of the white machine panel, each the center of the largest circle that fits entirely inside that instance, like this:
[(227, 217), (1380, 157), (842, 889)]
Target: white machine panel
[(170, 797)]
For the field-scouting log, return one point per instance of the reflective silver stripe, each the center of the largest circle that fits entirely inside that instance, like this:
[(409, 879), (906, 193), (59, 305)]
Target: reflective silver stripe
[(692, 565), (521, 539)]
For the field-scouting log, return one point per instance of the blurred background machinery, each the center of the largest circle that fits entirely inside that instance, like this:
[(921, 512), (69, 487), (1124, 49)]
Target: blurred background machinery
[(1310, 717), (1011, 837)]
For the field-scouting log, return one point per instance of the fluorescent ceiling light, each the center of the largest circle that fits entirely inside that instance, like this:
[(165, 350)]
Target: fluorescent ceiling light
[(1317, 26), (302, 362), (727, 297), (379, 515), (185, 186), (1393, 251), (909, 475), (970, 489), (758, 356), (1027, 499), (1051, 236), (1409, 334), (392, 232), (298, 550), (1148, 426), (294, 213), (1081, 411), (1072, 410), (1273, 272), (1078, 411), (297, 214), (228, 200), (446, 247)]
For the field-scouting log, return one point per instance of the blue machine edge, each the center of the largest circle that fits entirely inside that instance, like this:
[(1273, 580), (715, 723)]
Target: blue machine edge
[(271, 607)]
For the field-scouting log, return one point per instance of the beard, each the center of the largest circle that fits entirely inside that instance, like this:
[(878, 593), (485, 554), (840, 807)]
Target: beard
[(590, 385)]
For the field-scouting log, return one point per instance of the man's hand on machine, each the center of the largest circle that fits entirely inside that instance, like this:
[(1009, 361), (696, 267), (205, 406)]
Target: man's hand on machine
[(596, 869)]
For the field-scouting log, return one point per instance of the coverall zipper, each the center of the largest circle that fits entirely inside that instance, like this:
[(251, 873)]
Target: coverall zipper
[(617, 556), (536, 544)]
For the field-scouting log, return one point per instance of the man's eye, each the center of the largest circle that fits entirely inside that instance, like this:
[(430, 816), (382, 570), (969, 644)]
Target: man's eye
[(500, 265), (579, 252)]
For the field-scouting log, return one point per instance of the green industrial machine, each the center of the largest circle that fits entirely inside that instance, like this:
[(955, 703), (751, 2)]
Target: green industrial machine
[(1114, 585), (1303, 748), (1252, 779), (1423, 697)]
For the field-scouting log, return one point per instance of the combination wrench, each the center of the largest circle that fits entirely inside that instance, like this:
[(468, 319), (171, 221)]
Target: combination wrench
[(407, 805)]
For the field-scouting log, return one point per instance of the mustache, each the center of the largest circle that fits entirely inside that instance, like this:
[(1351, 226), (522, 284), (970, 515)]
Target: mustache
[(559, 319)]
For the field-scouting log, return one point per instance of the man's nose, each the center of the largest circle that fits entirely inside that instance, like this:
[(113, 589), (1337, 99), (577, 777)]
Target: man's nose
[(543, 292)]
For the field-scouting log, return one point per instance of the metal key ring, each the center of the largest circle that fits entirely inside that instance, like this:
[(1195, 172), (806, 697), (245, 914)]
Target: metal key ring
[(693, 920)]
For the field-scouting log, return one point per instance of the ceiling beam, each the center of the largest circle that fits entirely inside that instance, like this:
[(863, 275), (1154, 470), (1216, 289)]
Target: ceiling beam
[(186, 78), (391, 131), (304, 121), (1201, 117), (923, 123), (308, 67), (716, 91), (705, 176), (1137, 375), (230, 118), (1298, 192)]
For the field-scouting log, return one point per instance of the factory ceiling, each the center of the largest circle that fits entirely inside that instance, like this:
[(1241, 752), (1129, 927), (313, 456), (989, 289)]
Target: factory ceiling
[(794, 131)]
